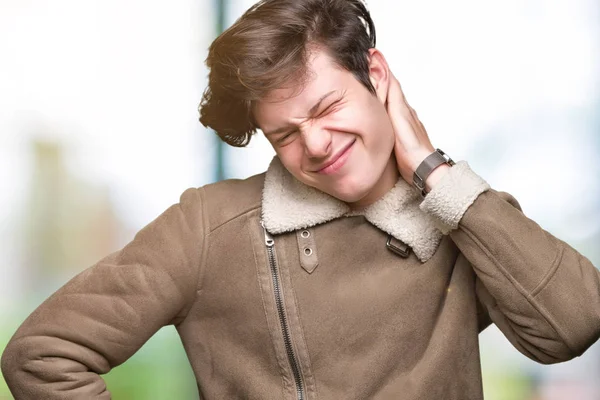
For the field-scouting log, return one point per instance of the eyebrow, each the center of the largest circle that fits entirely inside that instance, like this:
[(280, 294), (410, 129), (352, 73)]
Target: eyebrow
[(311, 112)]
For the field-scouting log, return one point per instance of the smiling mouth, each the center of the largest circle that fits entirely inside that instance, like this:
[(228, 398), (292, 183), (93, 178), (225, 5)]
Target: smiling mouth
[(336, 158)]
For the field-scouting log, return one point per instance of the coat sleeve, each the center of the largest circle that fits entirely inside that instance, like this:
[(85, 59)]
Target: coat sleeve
[(541, 293), (102, 316)]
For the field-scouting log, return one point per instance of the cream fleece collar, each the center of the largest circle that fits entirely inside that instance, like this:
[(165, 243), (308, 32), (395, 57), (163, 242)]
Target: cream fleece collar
[(288, 205)]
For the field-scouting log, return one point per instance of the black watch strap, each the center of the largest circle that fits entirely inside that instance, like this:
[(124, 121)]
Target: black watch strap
[(431, 162)]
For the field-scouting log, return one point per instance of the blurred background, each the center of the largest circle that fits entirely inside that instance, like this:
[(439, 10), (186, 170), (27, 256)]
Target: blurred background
[(99, 134)]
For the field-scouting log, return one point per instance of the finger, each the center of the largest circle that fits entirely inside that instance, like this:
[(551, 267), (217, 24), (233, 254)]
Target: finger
[(421, 129), (395, 91), (405, 132), (397, 107), (404, 126), (409, 129)]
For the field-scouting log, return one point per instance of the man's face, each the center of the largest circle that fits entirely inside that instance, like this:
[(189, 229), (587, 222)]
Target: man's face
[(334, 119)]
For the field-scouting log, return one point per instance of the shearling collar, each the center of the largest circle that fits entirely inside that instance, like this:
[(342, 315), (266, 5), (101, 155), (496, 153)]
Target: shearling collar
[(288, 205)]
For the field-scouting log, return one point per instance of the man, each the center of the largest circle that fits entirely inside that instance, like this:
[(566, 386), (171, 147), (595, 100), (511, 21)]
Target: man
[(362, 265)]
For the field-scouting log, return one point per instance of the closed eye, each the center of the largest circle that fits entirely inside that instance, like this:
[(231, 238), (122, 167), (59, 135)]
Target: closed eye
[(281, 139), (325, 110), (329, 108)]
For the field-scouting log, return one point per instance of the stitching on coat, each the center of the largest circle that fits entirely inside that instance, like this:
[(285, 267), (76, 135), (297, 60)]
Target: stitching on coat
[(542, 311), (201, 262), (241, 214), (205, 246), (269, 328), (314, 381), (550, 274)]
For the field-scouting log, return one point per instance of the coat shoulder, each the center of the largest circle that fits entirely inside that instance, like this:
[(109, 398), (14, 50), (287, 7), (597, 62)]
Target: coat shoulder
[(227, 199)]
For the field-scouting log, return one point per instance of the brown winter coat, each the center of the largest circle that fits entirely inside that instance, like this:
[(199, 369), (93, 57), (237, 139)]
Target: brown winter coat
[(317, 306)]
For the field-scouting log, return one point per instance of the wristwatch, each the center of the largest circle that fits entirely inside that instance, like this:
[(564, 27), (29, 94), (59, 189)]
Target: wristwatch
[(431, 162)]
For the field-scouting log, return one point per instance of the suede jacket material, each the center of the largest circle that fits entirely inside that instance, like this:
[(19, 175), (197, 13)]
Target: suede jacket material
[(279, 291)]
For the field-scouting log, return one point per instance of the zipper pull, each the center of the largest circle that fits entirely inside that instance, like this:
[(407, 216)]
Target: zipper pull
[(268, 238)]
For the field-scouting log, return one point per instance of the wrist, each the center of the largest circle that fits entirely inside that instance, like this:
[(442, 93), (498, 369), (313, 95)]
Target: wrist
[(435, 176), (431, 170)]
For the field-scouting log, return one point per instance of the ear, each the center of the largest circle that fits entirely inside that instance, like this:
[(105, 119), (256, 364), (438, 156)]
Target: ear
[(379, 73)]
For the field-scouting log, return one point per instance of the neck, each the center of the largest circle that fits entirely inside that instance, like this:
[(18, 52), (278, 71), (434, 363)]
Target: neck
[(386, 182)]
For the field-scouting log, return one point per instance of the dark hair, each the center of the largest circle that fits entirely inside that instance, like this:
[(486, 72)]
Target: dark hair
[(268, 46)]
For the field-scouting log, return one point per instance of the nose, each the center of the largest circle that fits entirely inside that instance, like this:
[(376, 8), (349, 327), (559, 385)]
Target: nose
[(317, 142)]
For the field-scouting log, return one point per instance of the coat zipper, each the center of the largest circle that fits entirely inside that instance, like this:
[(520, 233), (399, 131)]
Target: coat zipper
[(287, 339)]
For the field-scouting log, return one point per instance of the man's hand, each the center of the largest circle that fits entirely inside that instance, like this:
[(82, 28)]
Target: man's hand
[(412, 144)]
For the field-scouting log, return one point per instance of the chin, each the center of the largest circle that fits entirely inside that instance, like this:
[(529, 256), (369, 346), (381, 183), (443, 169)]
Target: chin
[(353, 192)]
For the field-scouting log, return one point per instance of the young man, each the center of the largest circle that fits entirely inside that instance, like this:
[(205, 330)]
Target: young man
[(362, 265)]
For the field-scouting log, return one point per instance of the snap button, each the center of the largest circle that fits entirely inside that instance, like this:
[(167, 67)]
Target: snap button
[(305, 234), (308, 251)]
